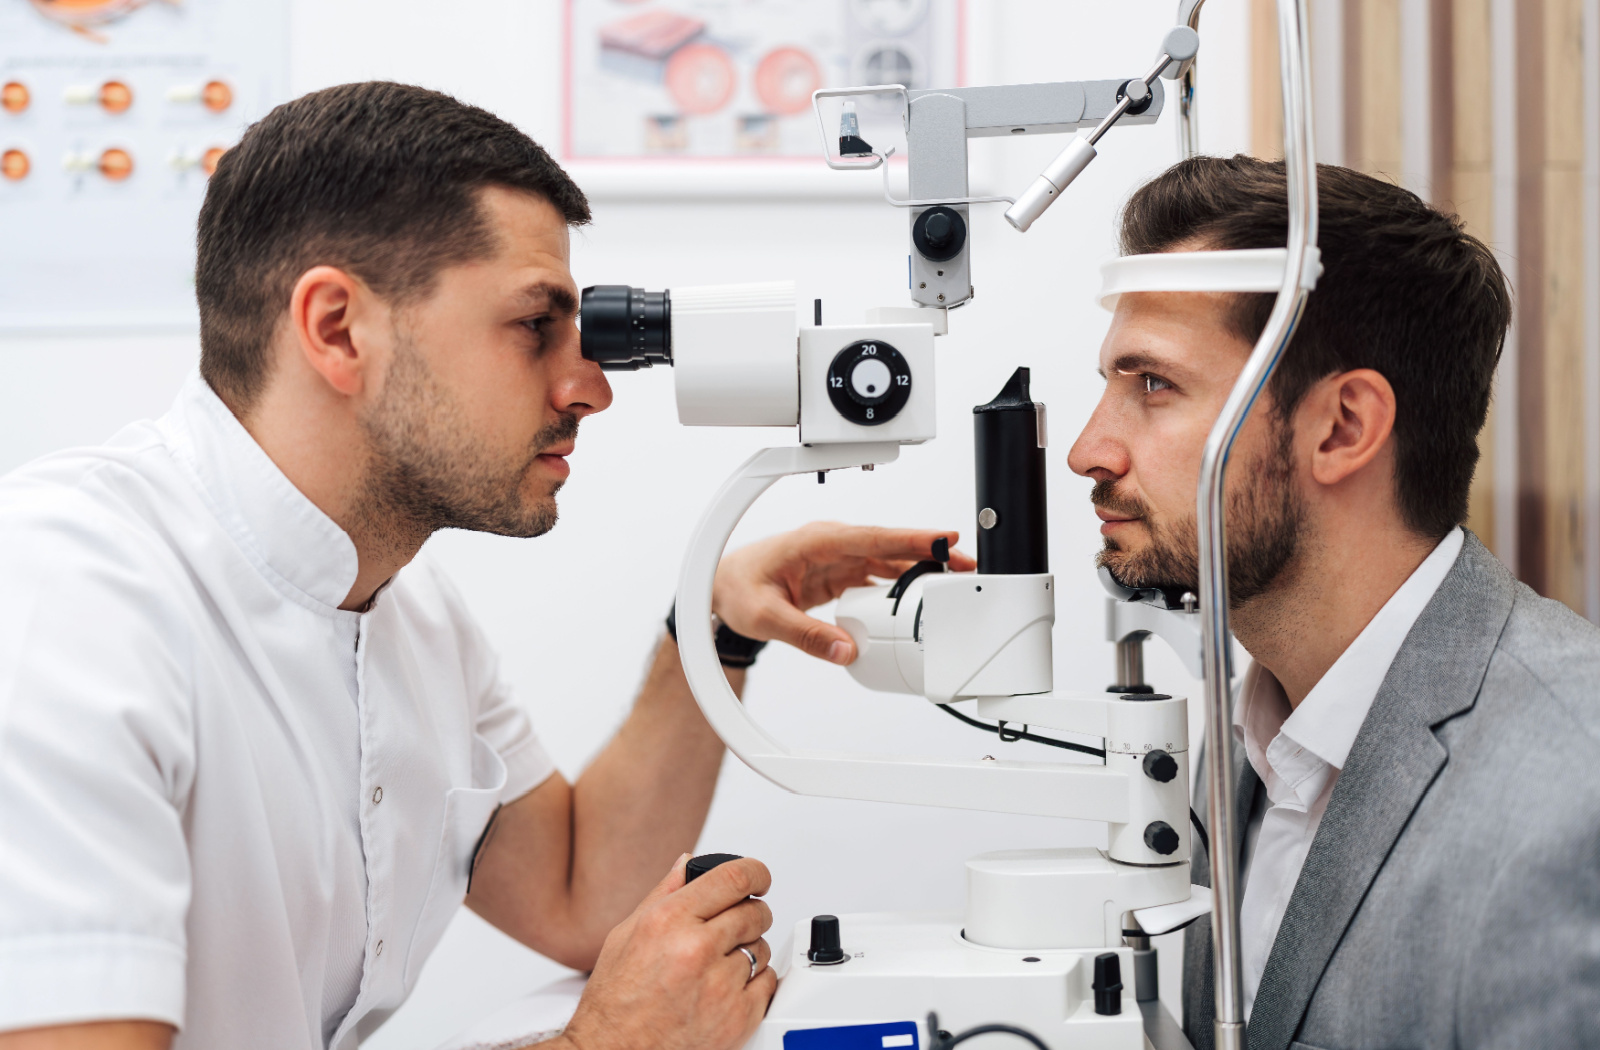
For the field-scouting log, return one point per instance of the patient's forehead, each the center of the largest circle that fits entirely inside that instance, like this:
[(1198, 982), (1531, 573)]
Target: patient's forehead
[(1193, 327)]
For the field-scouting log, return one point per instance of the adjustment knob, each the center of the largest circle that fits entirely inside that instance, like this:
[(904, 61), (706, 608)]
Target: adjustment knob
[(825, 950), (869, 382), (1160, 766), (1159, 836), (939, 233)]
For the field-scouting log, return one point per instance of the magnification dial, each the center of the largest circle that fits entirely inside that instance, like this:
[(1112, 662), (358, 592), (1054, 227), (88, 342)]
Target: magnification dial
[(869, 382)]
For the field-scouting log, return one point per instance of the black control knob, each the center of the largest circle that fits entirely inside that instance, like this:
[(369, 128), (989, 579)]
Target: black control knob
[(1159, 836), (939, 234), (1160, 766), (825, 950), (1107, 984), (698, 866)]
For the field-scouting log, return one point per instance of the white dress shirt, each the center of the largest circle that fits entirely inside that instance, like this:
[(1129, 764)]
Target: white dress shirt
[(1298, 755), (225, 803)]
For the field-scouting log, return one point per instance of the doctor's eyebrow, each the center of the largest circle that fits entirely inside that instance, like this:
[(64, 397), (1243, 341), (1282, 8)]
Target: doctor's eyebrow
[(559, 298)]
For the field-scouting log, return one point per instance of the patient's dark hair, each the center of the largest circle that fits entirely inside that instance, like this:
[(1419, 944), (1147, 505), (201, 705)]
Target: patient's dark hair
[(1405, 291), (378, 179)]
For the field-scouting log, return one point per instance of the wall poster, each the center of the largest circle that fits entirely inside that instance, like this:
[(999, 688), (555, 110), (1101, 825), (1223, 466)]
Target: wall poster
[(112, 115), (732, 79)]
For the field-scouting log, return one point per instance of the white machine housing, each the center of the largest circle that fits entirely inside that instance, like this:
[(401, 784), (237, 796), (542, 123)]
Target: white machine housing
[(821, 424), (733, 351), (953, 636), (738, 361)]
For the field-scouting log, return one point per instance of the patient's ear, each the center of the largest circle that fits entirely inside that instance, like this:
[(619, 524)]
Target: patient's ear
[(1350, 416)]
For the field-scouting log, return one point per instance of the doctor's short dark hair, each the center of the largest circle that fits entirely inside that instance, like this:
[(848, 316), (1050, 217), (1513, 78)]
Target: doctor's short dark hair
[(378, 179), (1405, 291)]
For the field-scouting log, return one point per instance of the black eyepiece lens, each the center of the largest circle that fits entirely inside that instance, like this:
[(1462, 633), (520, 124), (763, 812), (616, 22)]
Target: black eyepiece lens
[(625, 328)]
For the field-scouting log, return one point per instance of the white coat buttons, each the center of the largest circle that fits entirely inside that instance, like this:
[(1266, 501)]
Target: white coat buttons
[(378, 950), (377, 796)]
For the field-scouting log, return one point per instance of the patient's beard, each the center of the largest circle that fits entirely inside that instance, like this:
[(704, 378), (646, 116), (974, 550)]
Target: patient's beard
[(427, 474), (1266, 519)]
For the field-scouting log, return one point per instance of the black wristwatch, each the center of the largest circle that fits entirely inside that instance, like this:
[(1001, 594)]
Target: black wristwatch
[(733, 648)]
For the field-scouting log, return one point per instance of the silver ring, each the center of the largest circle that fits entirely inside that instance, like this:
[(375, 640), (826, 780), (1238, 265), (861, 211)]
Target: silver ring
[(753, 967)]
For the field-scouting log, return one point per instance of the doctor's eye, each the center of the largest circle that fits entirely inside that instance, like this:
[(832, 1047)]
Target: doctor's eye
[(1152, 384)]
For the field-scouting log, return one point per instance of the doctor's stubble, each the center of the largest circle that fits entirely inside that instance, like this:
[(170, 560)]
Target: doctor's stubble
[(1265, 525), (427, 472)]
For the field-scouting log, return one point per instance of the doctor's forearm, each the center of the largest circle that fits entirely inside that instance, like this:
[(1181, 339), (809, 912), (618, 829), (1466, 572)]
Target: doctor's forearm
[(643, 800)]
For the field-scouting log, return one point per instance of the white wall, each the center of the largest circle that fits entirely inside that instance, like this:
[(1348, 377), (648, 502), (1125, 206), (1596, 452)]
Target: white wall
[(576, 613)]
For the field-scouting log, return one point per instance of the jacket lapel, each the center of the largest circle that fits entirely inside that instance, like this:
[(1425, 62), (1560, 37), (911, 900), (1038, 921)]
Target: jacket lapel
[(1436, 675)]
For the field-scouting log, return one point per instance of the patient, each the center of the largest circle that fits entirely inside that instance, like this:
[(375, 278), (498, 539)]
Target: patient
[(1419, 734)]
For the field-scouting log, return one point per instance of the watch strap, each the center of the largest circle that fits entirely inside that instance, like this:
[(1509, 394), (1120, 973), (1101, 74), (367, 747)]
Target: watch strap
[(733, 648)]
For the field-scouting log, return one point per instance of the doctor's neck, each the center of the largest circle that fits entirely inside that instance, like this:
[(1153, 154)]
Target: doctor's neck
[(311, 432)]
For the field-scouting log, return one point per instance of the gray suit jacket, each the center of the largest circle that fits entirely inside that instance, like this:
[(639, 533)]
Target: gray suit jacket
[(1451, 897)]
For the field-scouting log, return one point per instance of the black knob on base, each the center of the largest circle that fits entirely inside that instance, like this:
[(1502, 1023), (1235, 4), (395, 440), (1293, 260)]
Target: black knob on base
[(1160, 766), (1159, 836), (1108, 984), (825, 950)]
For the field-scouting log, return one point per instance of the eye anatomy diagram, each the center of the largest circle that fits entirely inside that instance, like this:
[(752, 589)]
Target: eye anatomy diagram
[(707, 79), (113, 114)]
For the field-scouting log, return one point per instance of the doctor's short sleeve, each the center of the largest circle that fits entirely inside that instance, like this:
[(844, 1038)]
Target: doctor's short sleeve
[(96, 760), (499, 719)]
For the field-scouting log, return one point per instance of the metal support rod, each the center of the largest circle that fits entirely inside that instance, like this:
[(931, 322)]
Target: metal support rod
[(1130, 660), (1188, 128), (1293, 47)]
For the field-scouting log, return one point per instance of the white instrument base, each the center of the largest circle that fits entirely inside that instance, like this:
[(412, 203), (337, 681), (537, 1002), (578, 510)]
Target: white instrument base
[(901, 966)]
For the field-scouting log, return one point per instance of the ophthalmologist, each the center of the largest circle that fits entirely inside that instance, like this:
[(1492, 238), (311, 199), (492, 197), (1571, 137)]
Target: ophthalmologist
[(254, 752)]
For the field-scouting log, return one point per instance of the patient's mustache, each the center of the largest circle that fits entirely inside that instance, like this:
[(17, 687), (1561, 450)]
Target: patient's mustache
[(1105, 494)]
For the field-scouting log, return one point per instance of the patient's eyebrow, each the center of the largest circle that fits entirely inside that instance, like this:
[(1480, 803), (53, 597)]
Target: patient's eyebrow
[(558, 297), (1138, 362)]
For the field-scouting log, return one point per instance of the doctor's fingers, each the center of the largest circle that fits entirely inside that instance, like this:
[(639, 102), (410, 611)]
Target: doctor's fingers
[(758, 992), (740, 924), (724, 886), (740, 962), (884, 545), (828, 540)]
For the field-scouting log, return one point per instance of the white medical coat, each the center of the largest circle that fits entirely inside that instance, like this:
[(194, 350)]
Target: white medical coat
[(225, 803)]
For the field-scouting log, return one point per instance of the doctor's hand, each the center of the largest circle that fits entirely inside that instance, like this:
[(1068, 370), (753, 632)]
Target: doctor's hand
[(763, 591), (671, 975)]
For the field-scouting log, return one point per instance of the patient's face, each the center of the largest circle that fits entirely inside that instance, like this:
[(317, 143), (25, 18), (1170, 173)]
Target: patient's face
[(1169, 362), (485, 384)]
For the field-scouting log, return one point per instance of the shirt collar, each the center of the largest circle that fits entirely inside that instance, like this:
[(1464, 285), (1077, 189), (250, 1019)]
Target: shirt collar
[(1328, 719), (292, 542)]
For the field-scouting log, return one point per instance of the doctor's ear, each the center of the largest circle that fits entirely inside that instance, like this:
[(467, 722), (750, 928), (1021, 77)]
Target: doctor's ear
[(1351, 416), (326, 315)]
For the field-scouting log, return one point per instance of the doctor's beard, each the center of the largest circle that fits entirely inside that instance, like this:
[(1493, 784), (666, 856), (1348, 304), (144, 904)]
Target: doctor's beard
[(427, 474), (1265, 526)]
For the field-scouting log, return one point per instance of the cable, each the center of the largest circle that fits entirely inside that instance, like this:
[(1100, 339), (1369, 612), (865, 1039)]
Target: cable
[(1012, 734), (943, 1041), (1200, 831)]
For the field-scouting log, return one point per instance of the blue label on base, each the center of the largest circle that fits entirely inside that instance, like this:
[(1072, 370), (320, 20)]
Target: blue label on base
[(889, 1036)]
